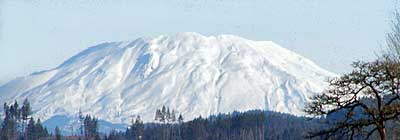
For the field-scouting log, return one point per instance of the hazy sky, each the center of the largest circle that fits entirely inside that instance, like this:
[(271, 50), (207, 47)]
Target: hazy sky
[(40, 34)]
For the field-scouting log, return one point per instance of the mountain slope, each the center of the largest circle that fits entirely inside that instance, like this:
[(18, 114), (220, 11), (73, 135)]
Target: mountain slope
[(194, 74)]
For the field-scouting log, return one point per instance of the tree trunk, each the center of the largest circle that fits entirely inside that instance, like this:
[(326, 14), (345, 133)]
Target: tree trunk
[(382, 132)]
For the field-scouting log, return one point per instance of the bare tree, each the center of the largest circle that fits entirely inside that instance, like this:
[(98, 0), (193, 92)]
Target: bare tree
[(361, 101), (393, 39)]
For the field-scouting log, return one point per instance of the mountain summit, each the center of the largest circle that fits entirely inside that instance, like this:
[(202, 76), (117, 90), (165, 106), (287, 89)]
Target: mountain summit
[(188, 72)]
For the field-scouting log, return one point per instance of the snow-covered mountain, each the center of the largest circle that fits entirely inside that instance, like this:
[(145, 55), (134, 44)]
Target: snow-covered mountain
[(191, 73)]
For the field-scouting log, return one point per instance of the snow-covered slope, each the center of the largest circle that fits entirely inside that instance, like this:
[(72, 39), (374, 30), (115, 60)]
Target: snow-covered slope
[(189, 72)]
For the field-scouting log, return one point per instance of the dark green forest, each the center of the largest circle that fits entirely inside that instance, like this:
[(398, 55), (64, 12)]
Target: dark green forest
[(17, 124)]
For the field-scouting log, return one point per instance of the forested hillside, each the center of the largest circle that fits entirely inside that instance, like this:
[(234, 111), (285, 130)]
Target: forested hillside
[(256, 125)]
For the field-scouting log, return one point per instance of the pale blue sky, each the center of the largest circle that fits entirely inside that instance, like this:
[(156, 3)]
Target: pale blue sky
[(40, 34)]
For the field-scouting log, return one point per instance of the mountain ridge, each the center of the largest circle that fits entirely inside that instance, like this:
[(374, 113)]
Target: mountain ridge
[(191, 73)]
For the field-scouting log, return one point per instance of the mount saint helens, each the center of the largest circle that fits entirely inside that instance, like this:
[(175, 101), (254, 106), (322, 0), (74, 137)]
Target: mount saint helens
[(188, 72)]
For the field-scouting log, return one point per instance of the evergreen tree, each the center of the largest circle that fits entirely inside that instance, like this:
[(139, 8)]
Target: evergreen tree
[(180, 118), (40, 130), (81, 122), (6, 109), (9, 124), (90, 127), (163, 116), (8, 128), (173, 117), (139, 128), (168, 116), (30, 130), (158, 115), (57, 133), (26, 110), (14, 124), (15, 111), (25, 113)]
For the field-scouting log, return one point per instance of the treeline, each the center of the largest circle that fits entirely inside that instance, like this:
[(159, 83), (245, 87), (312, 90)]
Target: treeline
[(89, 127), (221, 127), (18, 123), (164, 115), (252, 125)]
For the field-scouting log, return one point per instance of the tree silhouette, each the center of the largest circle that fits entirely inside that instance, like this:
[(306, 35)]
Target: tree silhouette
[(57, 133), (393, 39), (366, 98)]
